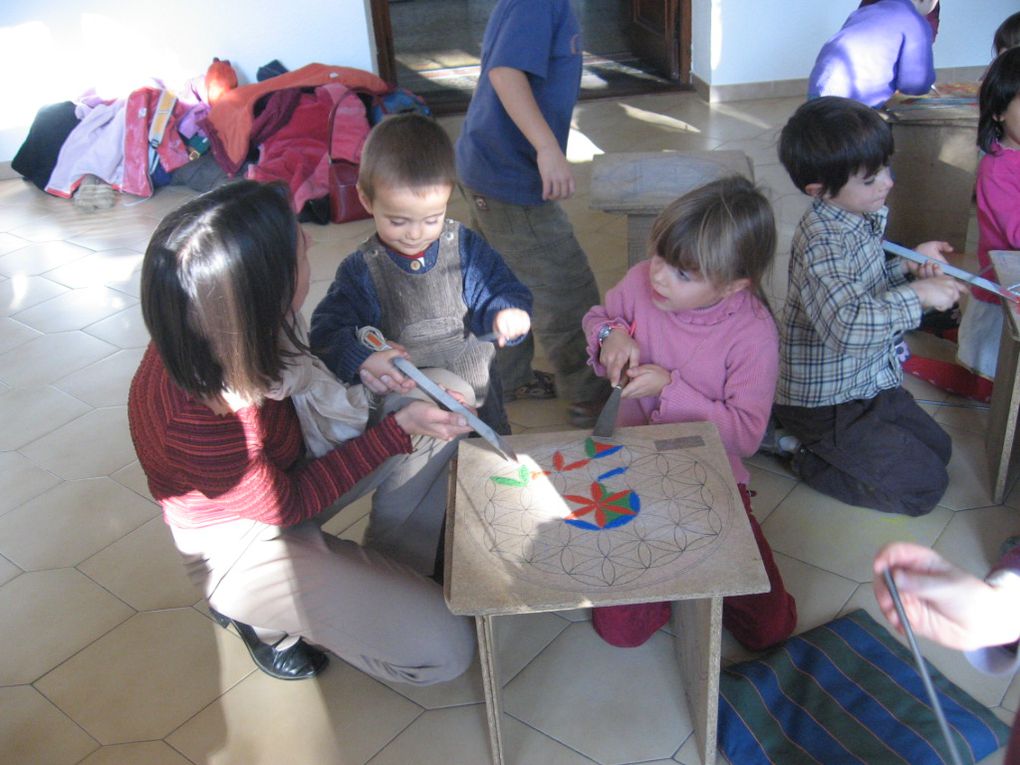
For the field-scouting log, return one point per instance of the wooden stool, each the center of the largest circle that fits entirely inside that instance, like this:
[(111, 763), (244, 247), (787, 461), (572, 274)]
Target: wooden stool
[(564, 528), (641, 184), (1002, 416)]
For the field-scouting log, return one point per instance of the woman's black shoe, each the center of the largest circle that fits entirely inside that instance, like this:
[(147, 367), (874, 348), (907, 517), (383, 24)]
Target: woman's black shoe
[(299, 662)]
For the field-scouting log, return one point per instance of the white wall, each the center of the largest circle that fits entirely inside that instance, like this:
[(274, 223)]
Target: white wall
[(738, 41), (51, 50)]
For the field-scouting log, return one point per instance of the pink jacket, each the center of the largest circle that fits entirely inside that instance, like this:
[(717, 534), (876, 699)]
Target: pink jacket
[(723, 362)]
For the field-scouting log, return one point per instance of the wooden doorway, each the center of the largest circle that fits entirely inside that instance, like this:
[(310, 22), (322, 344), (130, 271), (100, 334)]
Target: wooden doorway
[(631, 46)]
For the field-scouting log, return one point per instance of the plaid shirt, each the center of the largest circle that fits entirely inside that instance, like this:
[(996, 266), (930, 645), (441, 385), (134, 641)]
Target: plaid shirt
[(845, 307)]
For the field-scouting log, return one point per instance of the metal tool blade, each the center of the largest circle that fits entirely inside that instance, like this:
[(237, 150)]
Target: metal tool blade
[(922, 668), (606, 423), (445, 399), (956, 273)]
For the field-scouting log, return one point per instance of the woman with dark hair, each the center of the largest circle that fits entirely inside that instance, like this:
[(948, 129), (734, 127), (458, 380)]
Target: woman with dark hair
[(222, 281)]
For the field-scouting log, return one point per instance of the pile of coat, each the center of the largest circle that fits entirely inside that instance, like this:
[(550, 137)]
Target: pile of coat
[(276, 129)]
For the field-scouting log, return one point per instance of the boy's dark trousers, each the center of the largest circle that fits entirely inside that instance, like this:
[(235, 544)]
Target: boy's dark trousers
[(885, 453)]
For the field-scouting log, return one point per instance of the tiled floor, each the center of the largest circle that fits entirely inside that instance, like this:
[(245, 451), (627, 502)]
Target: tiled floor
[(108, 654)]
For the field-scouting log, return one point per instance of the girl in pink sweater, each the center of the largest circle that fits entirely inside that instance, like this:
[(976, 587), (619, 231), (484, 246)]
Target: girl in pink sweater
[(690, 334)]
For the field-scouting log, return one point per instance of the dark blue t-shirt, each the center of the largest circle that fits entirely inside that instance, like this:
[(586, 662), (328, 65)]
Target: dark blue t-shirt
[(541, 38)]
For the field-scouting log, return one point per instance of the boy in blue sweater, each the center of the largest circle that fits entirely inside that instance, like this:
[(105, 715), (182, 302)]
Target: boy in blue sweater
[(432, 286)]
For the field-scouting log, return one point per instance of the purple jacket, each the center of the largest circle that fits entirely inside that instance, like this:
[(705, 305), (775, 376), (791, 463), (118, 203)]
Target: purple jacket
[(882, 48)]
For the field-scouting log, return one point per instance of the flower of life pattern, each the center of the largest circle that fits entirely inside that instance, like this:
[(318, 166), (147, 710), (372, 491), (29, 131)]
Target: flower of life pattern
[(678, 525)]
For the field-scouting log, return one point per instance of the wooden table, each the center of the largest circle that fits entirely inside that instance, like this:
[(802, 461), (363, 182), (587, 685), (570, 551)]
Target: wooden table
[(1002, 417), (569, 526)]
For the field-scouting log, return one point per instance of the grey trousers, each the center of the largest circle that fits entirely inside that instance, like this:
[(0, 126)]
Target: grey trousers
[(373, 606), (538, 244)]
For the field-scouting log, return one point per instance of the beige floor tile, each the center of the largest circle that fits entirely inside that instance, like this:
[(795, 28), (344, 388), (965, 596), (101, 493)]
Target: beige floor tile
[(969, 479), (441, 737), (963, 414), (98, 269), (115, 233), (75, 309), (519, 639), (579, 679), (324, 259), (96, 444), (143, 753), (125, 329), (33, 731), (133, 478), (342, 717), (28, 414), (973, 538), (144, 569), (819, 594), (20, 480), (690, 753), (38, 257), (13, 333), (20, 292), (769, 490), (806, 525), (147, 676), (71, 522), (106, 382), (62, 610), (47, 358), (1011, 701), (9, 242), (7, 571)]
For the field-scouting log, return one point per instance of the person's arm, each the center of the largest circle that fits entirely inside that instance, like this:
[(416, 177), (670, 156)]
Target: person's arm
[(945, 603), (915, 68), (514, 92), (350, 303), (741, 414), (607, 359), (238, 479), (488, 283)]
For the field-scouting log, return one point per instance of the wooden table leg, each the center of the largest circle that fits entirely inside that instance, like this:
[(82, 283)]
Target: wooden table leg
[(490, 682), (698, 627), (1002, 416)]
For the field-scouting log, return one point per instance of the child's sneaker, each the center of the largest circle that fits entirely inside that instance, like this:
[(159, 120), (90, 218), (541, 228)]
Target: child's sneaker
[(541, 386), (778, 442)]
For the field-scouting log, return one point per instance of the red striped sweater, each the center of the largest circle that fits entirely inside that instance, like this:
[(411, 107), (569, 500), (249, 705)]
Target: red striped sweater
[(205, 468)]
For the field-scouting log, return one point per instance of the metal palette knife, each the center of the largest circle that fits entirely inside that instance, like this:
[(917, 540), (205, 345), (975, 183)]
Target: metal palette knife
[(606, 423), (922, 668), (956, 273), (374, 339)]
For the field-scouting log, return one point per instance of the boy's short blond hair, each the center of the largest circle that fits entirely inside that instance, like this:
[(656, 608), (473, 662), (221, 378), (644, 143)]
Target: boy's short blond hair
[(408, 151)]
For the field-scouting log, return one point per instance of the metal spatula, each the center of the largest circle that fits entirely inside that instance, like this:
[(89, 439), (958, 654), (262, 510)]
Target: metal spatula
[(606, 423)]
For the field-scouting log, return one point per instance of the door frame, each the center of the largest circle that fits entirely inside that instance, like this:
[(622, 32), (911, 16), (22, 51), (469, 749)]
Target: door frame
[(386, 55)]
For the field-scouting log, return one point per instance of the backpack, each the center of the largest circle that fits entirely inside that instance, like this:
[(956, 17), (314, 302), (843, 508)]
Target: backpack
[(396, 101)]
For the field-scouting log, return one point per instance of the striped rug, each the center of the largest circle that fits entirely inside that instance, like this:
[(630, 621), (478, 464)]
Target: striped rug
[(846, 692)]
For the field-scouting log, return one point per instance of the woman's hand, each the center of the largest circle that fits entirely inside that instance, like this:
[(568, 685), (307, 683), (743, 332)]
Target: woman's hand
[(379, 375), (510, 323), (645, 380), (618, 351), (422, 418), (943, 602)]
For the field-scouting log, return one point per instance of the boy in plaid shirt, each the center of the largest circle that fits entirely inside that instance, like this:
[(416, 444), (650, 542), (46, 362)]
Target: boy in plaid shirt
[(863, 438)]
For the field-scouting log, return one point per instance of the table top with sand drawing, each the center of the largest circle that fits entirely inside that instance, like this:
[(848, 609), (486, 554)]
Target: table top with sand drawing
[(651, 513)]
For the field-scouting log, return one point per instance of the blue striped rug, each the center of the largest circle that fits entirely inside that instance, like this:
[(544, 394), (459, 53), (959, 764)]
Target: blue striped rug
[(843, 693)]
